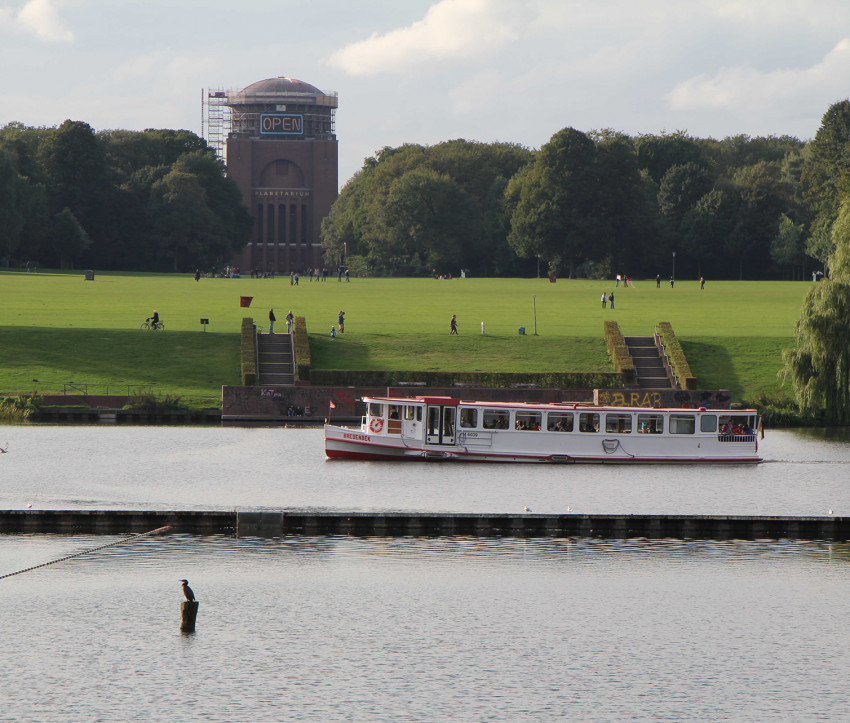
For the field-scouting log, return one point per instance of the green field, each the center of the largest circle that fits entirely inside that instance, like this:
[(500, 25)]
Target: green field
[(58, 328)]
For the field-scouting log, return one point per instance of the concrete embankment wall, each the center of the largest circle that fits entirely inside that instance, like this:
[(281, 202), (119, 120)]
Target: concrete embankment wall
[(402, 524), (274, 403)]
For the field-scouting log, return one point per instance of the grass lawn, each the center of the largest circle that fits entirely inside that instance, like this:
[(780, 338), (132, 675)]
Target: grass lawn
[(58, 328)]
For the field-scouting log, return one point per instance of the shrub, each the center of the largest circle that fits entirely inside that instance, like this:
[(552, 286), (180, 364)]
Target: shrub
[(149, 402), (248, 355), (542, 380), (678, 360), (20, 408), (302, 350), (619, 352)]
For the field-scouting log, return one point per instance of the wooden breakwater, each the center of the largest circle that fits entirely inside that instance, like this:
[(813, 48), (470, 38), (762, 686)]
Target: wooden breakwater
[(426, 524)]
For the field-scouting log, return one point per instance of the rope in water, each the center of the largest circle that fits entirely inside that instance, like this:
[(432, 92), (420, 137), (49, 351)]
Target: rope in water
[(158, 530)]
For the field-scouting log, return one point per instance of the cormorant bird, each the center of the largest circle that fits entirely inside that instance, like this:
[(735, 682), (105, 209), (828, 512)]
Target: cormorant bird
[(187, 591)]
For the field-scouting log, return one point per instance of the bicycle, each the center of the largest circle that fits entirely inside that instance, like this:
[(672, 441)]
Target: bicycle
[(149, 325)]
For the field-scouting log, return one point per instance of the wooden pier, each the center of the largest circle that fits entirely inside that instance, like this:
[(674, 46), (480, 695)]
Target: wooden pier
[(425, 524)]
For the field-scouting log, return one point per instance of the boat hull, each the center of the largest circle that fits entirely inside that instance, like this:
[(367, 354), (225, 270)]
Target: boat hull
[(344, 443)]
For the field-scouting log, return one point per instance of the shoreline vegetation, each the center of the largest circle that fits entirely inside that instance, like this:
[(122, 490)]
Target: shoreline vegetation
[(60, 331)]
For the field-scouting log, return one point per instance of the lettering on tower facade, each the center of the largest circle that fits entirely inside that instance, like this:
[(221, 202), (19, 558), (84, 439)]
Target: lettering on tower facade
[(281, 124)]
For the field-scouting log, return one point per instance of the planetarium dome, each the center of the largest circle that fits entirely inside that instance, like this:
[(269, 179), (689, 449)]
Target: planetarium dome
[(280, 85)]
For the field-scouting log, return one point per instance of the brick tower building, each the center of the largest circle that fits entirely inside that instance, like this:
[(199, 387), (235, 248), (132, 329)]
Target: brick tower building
[(282, 153)]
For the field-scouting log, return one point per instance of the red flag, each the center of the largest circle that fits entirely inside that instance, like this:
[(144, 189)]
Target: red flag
[(333, 406)]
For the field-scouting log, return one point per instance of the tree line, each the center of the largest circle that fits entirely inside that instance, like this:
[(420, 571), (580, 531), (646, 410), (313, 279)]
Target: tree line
[(155, 200), (586, 204)]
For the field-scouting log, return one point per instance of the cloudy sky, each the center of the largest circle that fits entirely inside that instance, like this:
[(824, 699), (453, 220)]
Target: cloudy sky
[(425, 71)]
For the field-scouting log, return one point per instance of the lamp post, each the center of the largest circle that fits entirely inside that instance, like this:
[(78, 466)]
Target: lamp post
[(534, 309), (674, 266), (345, 252)]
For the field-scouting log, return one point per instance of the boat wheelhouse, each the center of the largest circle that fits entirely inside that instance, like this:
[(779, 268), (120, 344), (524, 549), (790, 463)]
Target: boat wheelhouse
[(445, 428)]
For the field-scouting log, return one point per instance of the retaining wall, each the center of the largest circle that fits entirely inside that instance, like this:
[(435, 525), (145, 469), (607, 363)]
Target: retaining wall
[(401, 524)]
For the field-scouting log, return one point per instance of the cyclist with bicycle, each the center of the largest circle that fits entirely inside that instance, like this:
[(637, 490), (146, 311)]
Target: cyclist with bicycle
[(152, 322)]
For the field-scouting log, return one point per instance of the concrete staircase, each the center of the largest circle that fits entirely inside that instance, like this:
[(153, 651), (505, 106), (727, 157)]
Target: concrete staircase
[(649, 368), (274, 360)]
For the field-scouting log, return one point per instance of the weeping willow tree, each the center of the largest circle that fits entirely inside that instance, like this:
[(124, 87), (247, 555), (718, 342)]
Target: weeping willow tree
[(819, 367)]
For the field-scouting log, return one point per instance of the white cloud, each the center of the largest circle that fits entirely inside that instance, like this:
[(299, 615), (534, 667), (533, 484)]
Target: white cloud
[(41, 17), (451, 30), (743, 87)]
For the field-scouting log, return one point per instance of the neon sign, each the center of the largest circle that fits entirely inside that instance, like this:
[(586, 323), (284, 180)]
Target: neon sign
[(281, 124)]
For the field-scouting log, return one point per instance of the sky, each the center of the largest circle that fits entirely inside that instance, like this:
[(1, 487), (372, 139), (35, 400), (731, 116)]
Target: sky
[(425, 71)]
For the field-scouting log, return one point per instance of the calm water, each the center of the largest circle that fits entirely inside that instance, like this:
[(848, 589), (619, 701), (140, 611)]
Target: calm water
[(338, 629), (214, 468)]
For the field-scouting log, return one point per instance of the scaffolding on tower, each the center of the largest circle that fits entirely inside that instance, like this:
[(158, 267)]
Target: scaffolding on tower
[(216, 119)]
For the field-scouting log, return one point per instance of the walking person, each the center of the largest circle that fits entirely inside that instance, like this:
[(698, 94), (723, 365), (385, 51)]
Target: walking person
[(672, 281), (272, 320), (289, 320), (702, 283), (611, 299), (604, 299), (341, 321), (657, 281), (453, 326)]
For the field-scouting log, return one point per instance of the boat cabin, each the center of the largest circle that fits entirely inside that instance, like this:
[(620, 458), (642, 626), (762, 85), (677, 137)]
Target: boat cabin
[(448, 421)]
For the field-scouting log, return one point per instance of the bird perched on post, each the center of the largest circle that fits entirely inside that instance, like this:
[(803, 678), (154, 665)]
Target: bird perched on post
[(187, 591)]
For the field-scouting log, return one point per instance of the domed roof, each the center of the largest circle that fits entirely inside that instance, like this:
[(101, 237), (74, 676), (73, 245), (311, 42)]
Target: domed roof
[(280, 85)]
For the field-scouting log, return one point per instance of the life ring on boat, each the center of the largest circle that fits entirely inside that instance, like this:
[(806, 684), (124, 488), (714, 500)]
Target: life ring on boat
[(376, 425)]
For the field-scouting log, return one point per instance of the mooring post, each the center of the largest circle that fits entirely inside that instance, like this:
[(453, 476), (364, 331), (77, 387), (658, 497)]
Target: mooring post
[(188, 613)]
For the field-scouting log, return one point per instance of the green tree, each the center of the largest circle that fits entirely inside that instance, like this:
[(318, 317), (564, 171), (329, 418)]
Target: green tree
[(183, 224), (552, 203), (657, 154), (819, 366), (70, 239), (825, 173), (11, 213), (787, 247)]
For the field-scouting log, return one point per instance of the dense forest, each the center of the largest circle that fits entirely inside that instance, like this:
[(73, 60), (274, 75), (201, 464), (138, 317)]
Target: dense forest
[(585, 204), (156, 200)]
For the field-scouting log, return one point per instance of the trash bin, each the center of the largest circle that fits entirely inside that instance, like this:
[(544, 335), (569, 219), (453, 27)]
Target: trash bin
[(89, 275), (245, 300), (522, 331)]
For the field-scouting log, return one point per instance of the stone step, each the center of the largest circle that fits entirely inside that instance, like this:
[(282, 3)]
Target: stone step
[(277, 380)]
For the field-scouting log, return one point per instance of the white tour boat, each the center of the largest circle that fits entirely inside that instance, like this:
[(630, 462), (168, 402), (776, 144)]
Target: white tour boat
[(444, 428)]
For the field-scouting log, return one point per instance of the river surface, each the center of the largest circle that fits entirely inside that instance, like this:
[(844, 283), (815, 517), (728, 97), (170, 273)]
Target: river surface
[(73, 467), (453, 629)]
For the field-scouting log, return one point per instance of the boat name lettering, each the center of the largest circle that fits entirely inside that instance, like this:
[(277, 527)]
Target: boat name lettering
[(361, 437)]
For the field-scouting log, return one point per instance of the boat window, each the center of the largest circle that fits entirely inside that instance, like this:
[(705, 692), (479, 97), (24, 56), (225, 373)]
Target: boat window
[(418, 414), (619, 423), (528, 421), (588, 422), (708, 423), (682, 424), (650, 424), (559, 422), (434, 421), (737, 426), (394, 412), (496, 418), (376, 410), (448, 421), (410, 412), (468, 418)]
